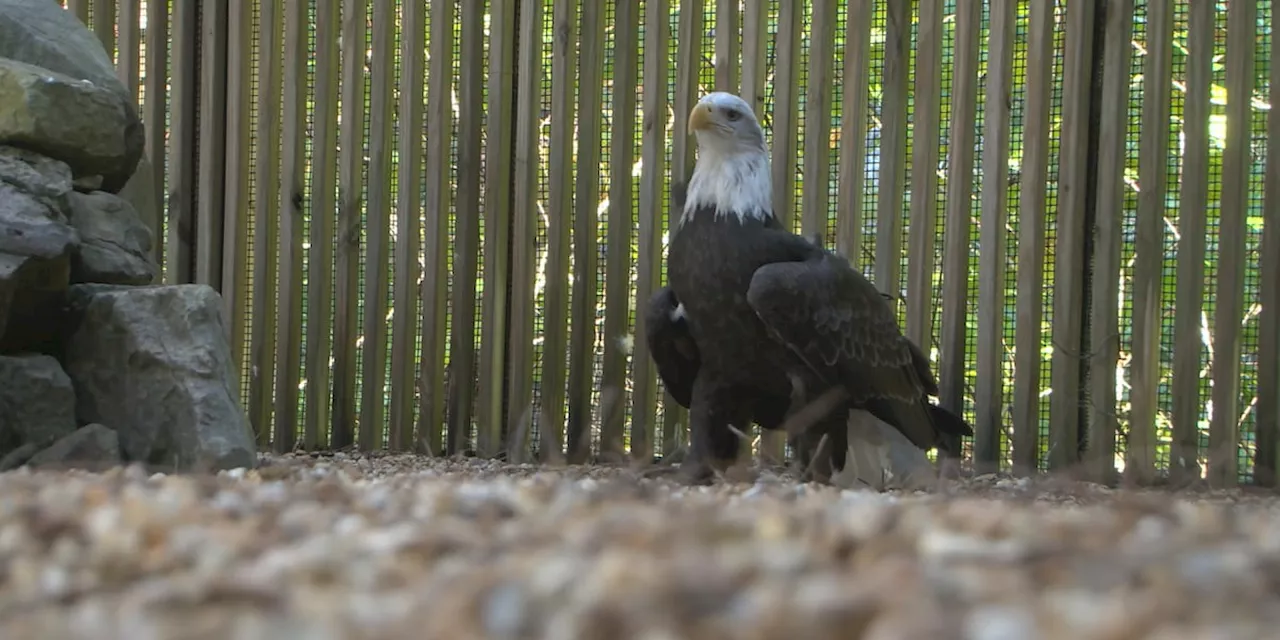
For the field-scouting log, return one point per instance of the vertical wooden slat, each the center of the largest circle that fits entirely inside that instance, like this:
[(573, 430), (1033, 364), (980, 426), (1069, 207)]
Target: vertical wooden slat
[(755, 33), (1104, 307), (182, 132), (893, 147), (853, 129), (1140, 452), (439, 198), (728, 41), (996, 113), (212, 145), (1188, 349), (80, 8), (815, 185), (324, 173), (128, 65), (1072, 220), (784, 124), (381, 109), (293, 126), (266, 216), (1224, 427), (559, 221), (524, 228), (355, 14), (688, 63), (154, 112), (497, 222), (957, 241), (621, 218), (1031, 240), (1268, 414), (817, 120), (786, 101), (582, 310), (408, 198), (816, 163), (653, 142), (923, 224), (462, 350), (235, 228), (104, 24)]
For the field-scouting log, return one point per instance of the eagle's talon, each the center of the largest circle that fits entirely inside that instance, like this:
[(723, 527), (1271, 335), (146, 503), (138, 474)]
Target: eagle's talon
[(704, 471), (660, 471), (699, 477)]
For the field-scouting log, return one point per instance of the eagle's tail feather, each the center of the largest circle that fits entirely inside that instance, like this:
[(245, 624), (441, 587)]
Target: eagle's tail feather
[(948, 422), (926, 424), (913, 419), (950, 428)]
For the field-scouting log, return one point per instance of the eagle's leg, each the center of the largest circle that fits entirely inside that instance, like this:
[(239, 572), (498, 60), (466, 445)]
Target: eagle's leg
[(713, 445), (820, 460), (837, 425)]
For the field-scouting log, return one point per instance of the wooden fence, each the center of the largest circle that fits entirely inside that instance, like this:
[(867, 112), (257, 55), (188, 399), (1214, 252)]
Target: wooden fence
[(432, 221)]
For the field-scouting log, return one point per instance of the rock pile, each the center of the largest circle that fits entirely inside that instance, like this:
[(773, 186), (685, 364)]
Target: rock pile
[(98, 365)]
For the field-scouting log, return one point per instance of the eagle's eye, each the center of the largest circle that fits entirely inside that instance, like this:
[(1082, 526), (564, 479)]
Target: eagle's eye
[(733, 115)]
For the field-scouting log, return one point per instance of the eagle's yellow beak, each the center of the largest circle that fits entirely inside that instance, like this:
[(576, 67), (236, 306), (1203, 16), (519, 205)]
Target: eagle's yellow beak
[(700, 118)]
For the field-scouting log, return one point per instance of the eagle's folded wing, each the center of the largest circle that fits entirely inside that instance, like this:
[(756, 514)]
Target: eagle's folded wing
[(836, 321), (671, 345)]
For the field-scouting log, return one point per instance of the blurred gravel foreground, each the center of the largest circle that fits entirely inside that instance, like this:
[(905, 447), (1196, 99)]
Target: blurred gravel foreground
[(369, 546)]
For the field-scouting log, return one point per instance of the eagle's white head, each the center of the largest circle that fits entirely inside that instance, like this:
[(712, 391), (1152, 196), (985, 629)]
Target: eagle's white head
[(732, 172)]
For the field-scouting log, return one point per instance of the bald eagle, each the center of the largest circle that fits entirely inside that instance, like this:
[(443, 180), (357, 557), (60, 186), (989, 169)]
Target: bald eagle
[(757, 322)]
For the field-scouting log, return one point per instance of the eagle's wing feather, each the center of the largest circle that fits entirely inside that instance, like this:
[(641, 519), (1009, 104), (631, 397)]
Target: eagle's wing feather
[(921, 363), (923, 368), (835, 319), (671, 345), (837, 322)]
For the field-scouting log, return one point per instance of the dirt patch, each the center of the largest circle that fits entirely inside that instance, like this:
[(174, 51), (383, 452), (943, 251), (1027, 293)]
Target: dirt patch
[(350, 546)]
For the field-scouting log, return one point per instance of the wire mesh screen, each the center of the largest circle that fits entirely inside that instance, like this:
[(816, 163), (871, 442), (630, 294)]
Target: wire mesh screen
[(1051, 228), (1249, 389), (871, 177), (379, 236)]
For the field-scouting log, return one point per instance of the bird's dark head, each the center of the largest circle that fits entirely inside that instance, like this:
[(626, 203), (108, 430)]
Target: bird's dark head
[(731, 175)]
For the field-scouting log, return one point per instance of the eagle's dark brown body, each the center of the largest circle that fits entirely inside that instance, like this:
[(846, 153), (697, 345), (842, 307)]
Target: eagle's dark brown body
[(743, 372), (826, 327), (711, 265), (758, 322)]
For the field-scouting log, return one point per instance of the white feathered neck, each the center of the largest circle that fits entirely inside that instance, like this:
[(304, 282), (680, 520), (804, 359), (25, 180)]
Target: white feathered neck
[(733, 181)]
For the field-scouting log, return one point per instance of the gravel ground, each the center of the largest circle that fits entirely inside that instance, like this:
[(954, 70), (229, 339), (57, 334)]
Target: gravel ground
[(350, 546)]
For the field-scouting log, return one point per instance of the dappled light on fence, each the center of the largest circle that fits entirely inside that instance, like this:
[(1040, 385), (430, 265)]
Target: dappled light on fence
[(432, 222)]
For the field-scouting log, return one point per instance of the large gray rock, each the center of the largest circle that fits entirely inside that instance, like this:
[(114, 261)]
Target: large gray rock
[(37, 403), (141, 192), (881, 457), (75, 121), (29, 287), (18, 457), (92, 446), (45, 34), (87, 184), (36, 242), (115, 246), (34, 194), (153, 364)]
